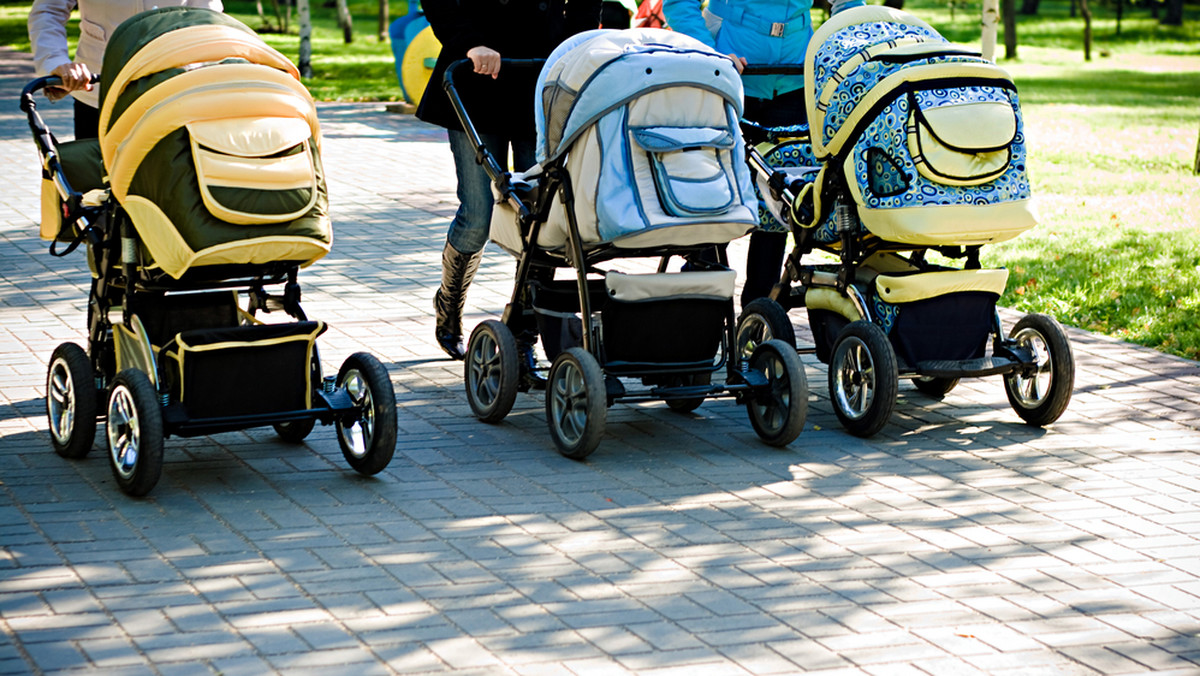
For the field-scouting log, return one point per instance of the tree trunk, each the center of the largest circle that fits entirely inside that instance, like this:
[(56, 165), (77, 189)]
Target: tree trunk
[(1030, 7), (383, 20), (1196, 167), (345, 22), (1174, 15), (305, 64), (1087, 29), (1009, 12), (1120, 11), (991, 16), (894, 4)]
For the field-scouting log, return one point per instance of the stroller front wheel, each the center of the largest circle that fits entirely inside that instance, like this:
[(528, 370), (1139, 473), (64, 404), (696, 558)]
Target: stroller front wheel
[(369, 441), (1041, 393), (778, 414), (491, 371), (576, 403), (71, 401), (863, 378), (135, 433)]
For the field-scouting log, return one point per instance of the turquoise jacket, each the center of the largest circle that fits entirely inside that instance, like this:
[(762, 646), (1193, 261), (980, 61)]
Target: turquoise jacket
[(761, 31)]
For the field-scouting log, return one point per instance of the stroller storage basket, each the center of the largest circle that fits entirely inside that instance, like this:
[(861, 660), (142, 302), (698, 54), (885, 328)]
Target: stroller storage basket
[(665, 318), (243, 370)]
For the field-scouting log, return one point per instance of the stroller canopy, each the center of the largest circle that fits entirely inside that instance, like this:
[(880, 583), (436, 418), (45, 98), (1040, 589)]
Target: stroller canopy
[(210, 143), (598, 71)]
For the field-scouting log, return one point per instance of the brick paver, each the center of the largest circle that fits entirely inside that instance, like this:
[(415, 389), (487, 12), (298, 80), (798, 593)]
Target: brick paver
[(958, 541)]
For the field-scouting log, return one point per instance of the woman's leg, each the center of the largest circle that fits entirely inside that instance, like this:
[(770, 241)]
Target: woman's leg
[(764, 264), (466, 238)]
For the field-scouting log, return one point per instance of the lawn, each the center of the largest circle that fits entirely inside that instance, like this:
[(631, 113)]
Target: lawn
[(1111, 147)]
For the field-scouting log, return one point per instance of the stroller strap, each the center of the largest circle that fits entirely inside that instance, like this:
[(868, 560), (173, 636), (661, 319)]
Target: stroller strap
[(776, 29)]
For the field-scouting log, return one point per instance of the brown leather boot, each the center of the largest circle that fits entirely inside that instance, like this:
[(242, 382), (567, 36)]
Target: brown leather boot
[(458, 269)]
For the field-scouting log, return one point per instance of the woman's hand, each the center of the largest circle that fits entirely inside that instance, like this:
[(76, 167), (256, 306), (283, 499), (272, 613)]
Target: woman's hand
[(486, 60), (74, 76), (738, 62)]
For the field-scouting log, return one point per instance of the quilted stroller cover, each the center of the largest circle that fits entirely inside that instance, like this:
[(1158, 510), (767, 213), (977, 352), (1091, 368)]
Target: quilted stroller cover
[(646, 123), (928, 135), (211, 143)]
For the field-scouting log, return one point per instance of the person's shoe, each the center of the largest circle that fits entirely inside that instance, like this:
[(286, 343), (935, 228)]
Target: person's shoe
[(458, 270)]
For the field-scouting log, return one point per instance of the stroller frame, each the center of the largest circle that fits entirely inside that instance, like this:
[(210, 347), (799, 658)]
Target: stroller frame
[(1035, 359), (121, 363), (769, 379)]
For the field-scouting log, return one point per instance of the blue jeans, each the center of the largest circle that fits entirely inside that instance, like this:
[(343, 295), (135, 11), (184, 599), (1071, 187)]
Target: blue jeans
[(472, 223)]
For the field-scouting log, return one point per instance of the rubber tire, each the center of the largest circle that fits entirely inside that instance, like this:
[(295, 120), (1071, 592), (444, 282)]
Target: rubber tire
[(491, 371), (863, 366), (294, 431), (134, 420), (934, 387), (73, 368), (761, 320), (371, 389), (576, 403), (778, 415), (689, 404), (1055, 360)]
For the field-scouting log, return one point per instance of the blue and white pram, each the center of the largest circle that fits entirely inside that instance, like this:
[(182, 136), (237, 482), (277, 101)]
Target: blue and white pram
[(640, 155), (917, 147)]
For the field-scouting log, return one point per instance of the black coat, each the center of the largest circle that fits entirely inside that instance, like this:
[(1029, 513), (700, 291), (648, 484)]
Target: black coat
[(517, 29)]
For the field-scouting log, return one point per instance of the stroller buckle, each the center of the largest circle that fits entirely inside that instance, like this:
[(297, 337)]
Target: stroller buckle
[(777, 29)]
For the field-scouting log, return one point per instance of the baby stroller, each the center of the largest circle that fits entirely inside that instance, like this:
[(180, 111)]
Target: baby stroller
[(916, 160), (639, 157), (204, 187)]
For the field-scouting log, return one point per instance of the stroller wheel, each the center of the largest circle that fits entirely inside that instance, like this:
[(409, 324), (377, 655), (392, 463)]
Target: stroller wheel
[(691, 403), (1040, 394), (71, 401), (934, 386), (369, 441), (778, 413), (576, 403), (863, 378), (491, 371), (761, 320), (294, 431), (135, 433)]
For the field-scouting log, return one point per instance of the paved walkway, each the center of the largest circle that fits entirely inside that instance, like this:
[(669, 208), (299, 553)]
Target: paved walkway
[(958, 541)]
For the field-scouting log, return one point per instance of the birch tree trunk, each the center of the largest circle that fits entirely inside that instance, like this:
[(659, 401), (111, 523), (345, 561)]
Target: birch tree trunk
[(305, 64), (344, 20), (991, 15), (383, 20)]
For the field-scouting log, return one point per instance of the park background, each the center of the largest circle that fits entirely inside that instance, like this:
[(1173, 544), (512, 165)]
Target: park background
[(1113, 134)]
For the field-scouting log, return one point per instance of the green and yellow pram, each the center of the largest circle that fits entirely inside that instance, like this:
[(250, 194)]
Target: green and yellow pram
[(204, 190)]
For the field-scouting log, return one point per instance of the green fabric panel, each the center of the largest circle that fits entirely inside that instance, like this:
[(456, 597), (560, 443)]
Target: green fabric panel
[(167, 177), (82, 163), (137, 31), (261, 201)]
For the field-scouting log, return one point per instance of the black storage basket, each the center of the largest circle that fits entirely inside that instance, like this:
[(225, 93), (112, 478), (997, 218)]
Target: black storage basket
[(556, 309), (244, 370), (666, 331), (954, 326)]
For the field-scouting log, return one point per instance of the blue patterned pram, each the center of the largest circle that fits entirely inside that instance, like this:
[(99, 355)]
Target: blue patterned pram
[(914, 146)]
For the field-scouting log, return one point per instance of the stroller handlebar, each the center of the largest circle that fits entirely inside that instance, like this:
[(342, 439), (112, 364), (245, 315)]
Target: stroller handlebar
[(773, 69)]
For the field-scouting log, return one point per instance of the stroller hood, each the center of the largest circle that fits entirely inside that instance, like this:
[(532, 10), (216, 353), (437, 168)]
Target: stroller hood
[(211, 143), (598, 71)]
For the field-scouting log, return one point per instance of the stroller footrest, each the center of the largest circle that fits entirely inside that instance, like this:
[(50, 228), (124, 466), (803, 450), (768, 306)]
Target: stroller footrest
[(984, 366)]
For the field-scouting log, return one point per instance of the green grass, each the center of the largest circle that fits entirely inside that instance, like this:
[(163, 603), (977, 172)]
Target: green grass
[(1111, 145)]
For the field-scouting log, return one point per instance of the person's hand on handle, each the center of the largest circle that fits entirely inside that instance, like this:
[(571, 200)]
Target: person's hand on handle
[(74, 76), (486, 60), (738, 62)]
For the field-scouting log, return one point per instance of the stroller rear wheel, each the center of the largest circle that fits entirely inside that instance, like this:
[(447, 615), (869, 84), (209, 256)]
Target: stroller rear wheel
[(71, 401), (863, 378), (689, 404), (135, 433), (576, 403), (934, 386), (778, 414), (761, 320), (491, 371), (1040, 394), (368, 442)]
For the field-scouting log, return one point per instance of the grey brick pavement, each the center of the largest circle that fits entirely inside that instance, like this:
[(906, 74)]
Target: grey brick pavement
[(956, 542)]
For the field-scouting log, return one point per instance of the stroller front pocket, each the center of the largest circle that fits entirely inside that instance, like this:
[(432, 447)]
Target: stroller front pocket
[(961, 143), (255, 171), (688, 167)]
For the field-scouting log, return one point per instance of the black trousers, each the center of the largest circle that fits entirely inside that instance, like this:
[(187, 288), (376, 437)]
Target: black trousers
[(87, 120), (764, 258)]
